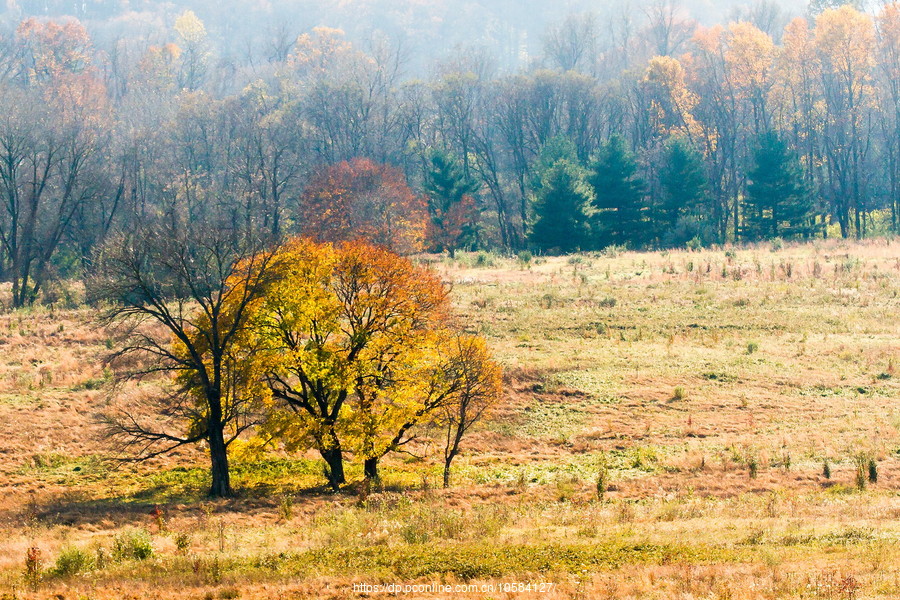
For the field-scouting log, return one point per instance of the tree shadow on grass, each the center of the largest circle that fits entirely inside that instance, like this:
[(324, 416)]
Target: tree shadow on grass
[(141, 508)]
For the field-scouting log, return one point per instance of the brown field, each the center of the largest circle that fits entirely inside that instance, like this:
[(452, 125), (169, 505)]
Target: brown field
[(713, 386)]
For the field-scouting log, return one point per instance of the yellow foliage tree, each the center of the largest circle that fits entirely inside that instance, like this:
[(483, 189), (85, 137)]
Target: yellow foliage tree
[(671, 102), (356, 342)]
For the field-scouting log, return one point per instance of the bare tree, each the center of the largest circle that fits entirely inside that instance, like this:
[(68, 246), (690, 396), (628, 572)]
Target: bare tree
[(667, 30), (572, 44), (183, 300)]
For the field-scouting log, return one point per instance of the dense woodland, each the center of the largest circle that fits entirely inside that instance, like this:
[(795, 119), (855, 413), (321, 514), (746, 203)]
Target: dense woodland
[(642, 129)]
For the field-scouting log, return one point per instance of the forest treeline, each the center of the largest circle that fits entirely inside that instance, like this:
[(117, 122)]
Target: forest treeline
[(671, 134)]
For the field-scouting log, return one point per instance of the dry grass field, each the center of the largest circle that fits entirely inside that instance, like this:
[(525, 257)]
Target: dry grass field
[(708, 389)]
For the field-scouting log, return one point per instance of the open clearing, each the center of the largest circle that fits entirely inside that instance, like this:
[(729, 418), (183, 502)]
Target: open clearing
[(685, 373)]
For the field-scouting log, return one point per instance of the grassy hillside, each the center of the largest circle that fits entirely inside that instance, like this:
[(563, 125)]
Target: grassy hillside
[(710, 388)]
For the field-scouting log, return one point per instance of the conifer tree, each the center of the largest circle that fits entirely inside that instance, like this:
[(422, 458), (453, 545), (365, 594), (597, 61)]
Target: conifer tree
[(451, 205), (683, 185), (562, 209), (777, 203), (619, 196)]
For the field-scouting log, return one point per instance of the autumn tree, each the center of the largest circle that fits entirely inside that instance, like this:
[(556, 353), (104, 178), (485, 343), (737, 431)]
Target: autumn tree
[(357, 341), (750, 60), (669, 103), (51, 49), (478, 384), (845, 46), (194, 52), (889, 67), (800, 106), (266, 155), (184, 302), (722, 131), (52, 136), (361, 199)]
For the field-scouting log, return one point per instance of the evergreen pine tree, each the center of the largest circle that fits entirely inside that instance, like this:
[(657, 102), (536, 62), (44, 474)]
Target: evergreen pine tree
[(777, 203), (451, 205), (683, 183), (619, 196), (562, 209)]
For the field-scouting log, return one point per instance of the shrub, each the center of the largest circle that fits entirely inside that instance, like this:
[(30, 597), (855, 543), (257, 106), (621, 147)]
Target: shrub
[(862, 470), (525, 256), (132, 544), (565, 488), (752, 347), (613, 251), (72, 561), (826, 469), (679, 393), (483, 259), (625, 512), (602, 480), (33, 563), (182, 541), (286, 508)]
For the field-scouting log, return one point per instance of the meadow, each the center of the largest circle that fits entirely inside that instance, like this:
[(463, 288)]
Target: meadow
[(686, 424)]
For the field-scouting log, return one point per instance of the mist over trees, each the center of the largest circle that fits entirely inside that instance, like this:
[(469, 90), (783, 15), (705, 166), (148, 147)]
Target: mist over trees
[(431, 126)]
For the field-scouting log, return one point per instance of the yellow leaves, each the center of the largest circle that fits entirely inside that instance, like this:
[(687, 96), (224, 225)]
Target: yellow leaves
[(318, 52), (844, 39), (672, 103), (845, 43), (709, 39), (889, 41), (190, 28), (360, 344), (158, 65), (750, 56)]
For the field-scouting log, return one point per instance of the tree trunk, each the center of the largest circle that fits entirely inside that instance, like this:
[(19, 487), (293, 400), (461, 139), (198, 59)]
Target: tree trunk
[(334, 458), (370, 468), (447, 462), (218, 452)]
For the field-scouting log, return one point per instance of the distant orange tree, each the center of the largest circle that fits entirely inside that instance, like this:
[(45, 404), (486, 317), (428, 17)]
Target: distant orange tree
[(361, 199)]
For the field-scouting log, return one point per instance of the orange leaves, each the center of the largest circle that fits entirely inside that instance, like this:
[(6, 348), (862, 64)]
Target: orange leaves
[(447, 226), (55, 48), (382, 291), (364, 200), (60, 56)]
